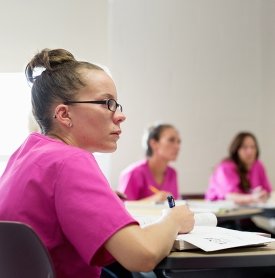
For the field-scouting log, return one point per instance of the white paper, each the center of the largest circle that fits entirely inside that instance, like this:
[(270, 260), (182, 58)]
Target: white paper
[(211, 206), (216, 238), (205, 219), (201, 219)]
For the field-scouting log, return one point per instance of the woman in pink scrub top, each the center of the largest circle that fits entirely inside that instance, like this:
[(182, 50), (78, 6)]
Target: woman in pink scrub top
[(242, 176), (153, 179), (53, 183)]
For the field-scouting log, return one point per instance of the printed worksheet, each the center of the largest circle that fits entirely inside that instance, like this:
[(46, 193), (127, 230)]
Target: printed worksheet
[(209, 238)]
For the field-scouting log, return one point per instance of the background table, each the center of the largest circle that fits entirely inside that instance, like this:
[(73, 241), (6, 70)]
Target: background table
[(226, 214)]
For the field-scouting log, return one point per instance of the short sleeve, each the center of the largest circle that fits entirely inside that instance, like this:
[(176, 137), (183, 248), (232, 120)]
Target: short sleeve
[(89, 212), (130, 183), (224, 180), (263, 179)]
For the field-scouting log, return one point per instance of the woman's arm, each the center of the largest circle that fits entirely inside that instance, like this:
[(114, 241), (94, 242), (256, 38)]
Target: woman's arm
[(259, 196), (141, 249), (224, 180)]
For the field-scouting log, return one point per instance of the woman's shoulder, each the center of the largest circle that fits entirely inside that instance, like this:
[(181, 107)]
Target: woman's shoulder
[(258, 164), (50, 149), (171, 169), (137, 166), (226, 164)]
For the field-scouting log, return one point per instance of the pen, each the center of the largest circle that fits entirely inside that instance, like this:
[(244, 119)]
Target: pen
[(171, 201), (153, 189)]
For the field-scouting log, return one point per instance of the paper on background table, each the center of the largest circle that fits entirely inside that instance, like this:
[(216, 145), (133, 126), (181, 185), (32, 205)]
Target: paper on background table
[(211, 206), (201, 219)]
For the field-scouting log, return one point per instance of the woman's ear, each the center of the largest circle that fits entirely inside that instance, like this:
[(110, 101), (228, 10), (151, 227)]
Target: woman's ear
[(61, 114), (153, 144)]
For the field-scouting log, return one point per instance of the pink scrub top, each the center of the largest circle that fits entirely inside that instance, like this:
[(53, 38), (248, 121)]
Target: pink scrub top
[(60, 191), (136, 179), (225, 179)]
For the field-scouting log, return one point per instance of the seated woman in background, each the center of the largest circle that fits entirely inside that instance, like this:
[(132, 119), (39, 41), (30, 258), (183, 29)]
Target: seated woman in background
[(153, 179), (241, 177)]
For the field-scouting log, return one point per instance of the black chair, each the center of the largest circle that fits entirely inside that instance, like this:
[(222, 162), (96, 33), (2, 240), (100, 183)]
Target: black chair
[(22, 254)]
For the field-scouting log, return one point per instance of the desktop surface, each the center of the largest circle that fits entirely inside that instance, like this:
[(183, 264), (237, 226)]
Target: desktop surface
[(260, 256)]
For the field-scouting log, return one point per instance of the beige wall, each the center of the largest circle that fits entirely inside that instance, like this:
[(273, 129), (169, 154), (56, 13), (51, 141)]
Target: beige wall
[(206, 66), (29, 26), (268, 111)]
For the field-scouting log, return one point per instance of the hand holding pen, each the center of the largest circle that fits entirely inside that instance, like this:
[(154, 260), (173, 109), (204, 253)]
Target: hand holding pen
[(181, 214), (159, 195), (171, 201)]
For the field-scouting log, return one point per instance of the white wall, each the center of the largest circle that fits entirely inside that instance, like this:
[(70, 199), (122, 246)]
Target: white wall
[(201, 65)]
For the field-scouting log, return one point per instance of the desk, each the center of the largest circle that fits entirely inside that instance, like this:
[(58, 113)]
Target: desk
[(266, 220), (228, 263), (261, 259), (150, 209)]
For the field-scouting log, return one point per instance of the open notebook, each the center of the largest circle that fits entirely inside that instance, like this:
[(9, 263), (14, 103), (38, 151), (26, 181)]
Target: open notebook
[(208, 237)]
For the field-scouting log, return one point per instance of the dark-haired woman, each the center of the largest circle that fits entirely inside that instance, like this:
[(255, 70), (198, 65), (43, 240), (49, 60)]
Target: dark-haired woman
[(152, 179), (241, 177), (53, 183)]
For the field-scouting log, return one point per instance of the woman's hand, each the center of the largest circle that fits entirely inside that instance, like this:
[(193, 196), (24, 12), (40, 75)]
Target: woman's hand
[(259, 195), (161, 196), (183, 216)]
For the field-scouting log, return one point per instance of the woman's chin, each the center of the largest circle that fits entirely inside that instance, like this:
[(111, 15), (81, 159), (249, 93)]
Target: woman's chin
[(111, 148)]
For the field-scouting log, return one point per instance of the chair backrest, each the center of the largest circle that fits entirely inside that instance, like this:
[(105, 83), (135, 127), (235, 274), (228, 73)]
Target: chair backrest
[(22, 254)]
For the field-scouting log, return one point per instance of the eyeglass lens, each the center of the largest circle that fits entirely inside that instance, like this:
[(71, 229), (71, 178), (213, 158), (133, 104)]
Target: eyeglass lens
[(113, 105)]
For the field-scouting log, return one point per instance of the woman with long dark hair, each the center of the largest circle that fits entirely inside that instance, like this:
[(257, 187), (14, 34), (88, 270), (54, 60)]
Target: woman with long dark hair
[(240, 177)]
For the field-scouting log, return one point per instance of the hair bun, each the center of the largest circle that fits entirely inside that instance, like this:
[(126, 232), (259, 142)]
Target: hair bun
[(47, 59)]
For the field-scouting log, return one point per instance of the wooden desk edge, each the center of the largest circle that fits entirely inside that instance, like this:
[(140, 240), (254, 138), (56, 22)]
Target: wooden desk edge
[(230, 258)]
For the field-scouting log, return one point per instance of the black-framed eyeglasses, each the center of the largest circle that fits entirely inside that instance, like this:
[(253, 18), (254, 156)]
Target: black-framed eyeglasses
[(111, 103)]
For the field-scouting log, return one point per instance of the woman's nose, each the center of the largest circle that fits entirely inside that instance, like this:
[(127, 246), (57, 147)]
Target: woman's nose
[(119, 116)]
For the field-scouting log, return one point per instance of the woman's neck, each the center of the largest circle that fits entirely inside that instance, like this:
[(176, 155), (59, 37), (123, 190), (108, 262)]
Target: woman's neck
[(248, 166), (56, 136)]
